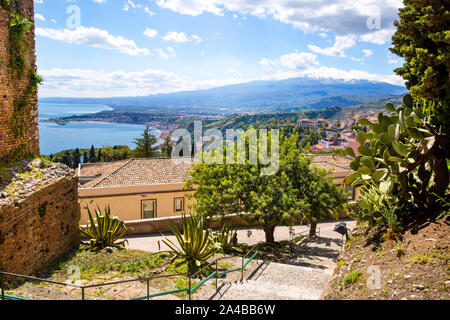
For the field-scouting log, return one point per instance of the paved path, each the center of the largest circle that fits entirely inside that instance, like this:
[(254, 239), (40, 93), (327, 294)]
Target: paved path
[(304, 277), (276, 281)]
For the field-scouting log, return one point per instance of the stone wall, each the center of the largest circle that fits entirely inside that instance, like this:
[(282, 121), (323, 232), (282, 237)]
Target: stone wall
[(39, 220), (19, 134), (157, 225)]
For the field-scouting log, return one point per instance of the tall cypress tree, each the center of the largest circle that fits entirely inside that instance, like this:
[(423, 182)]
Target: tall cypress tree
[(92, 157), (166, 148), (76, 158), (99, 155), (85, 157)]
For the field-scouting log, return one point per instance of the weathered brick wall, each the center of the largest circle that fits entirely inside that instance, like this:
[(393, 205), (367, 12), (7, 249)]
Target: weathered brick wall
[(13, 87), (39, 227)]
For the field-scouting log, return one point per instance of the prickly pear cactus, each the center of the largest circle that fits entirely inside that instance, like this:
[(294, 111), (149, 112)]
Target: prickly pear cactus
[(405, 151)]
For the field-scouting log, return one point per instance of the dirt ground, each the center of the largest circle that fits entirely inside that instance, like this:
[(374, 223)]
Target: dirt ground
[(129, 290), (415, 267), (102, 268)]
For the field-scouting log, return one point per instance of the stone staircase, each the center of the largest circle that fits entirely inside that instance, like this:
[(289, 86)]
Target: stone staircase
[(276, 281)]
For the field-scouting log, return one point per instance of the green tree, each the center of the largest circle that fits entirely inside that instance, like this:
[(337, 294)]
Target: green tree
[(166, 148), (122, 152), (67, 159), (92, 157), (99, 155), (76, 158), (85, 157), (320, 196), (268, 200), (422, 38), (145, 146), (107, 154), (324, 199)]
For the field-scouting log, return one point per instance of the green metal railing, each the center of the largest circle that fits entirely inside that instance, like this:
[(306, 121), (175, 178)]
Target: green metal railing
[(215, 273), (189, 289)]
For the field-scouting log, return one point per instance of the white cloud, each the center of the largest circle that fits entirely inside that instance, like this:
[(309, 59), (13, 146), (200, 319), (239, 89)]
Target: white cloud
[(338, 49), (293, 61), (367, 52), (298, 61), (93, 37), (180, 37), (379, 36), (268, 64), (232, 71), (97, 83), (151, 33), (341, 16), (39, 16), (169, 53), (336, 74)]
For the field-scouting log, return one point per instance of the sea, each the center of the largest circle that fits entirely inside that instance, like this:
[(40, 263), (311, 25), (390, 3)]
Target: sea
[(55, 138)]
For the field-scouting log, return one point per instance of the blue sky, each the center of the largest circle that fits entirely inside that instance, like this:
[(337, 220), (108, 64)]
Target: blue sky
[(103, 48)]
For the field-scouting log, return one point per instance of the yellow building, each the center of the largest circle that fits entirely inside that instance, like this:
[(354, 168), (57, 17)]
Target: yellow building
[(137, 189), (340, 169)]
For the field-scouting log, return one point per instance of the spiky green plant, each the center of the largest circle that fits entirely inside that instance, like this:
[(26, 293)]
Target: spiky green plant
[(407, 149), (226, 239), (195, 245), (104, 230)]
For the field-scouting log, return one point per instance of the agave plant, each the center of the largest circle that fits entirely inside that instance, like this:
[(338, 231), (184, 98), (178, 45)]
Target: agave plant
[(195, 245), (104, 230), (226, 238)]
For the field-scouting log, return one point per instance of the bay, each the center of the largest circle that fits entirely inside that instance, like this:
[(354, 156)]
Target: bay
[(55, 138)]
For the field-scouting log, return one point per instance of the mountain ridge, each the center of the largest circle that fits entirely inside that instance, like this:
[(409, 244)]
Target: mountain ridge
[(254, 96)]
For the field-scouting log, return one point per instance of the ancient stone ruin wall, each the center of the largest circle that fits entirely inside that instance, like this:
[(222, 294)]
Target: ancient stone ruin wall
[(19, 135), (39, 220), (39, 210)]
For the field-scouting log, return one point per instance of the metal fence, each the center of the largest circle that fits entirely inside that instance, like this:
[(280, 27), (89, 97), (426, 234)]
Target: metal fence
[(189, 289)]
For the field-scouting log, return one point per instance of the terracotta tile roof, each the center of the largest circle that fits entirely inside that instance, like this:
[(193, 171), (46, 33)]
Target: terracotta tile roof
[(135, 172), (332, 162), (154, 171)]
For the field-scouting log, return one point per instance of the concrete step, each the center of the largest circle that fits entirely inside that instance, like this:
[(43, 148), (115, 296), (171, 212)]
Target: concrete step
[(258, 290), (292, 275), (276, 281)]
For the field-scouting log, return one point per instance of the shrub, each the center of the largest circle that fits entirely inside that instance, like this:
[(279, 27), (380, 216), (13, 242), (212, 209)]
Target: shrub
[(226, 238), (104, 230), (195, 245)]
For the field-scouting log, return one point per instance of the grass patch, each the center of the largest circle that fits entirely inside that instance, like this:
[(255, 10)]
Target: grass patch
[(433, 257), (95, 264), (351, 278)]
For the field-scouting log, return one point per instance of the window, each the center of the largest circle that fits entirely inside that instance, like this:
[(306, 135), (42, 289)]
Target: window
[(148, 209), (178, 204), (350, 192)]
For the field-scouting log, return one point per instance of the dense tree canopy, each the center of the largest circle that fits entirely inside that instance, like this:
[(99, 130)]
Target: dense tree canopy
[(423, 40), (282, 198)]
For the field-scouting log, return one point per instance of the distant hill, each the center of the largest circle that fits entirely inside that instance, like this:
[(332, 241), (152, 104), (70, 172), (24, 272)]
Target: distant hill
[(258, 96)]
